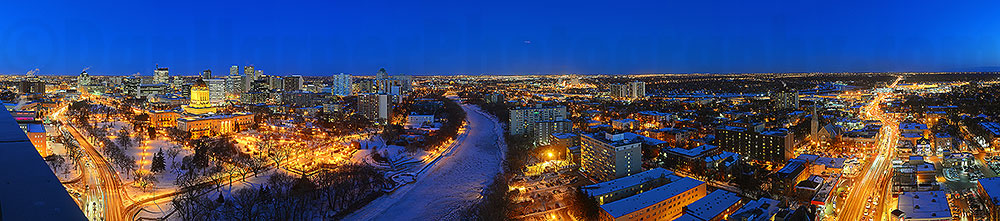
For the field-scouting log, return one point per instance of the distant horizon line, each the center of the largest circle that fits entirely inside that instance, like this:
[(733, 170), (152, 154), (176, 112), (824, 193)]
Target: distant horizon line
[(548, 74)]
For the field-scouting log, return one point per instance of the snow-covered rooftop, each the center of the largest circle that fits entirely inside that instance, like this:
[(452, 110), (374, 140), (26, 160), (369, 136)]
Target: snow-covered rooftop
[(757, 210), (924, 205), (992, 187), (633, 203), (626, 182), (712, 205), (694, 152)]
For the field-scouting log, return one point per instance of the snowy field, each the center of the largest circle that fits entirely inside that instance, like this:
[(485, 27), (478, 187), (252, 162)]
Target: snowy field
[(452, 184)]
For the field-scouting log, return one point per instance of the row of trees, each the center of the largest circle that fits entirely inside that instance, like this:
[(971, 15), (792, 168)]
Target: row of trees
[(331, 194)]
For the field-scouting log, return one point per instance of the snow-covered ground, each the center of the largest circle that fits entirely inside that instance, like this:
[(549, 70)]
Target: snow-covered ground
[(452, 184)]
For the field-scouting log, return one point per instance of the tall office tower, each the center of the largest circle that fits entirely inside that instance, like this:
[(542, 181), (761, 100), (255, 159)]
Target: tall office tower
[(176, 82), (234, 84), (216, 91), (524, 120), (160, 75), (258, 74), (341, 85), (293, 83), (248, 71), (130, 85), (206, 74), (606, 156), (245, 82), (82, 81), (234, 70), (275, 83), (631, 90)]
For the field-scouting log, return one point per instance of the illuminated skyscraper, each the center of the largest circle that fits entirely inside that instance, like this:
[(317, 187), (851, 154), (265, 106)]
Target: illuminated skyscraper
[(161, 75)]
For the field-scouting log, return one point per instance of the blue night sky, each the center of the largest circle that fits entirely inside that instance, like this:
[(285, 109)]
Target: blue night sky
[(498, 37)]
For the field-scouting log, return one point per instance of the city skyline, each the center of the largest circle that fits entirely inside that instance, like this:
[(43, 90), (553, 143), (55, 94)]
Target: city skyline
[(441, 38)]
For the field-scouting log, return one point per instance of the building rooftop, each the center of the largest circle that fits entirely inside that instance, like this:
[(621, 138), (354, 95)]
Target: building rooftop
[(912, 126), (924, 205), (626, 182), (687, 217), (633, 203), (780, 132), (36, 128), (618, 139), (992, 127), (694, 152), (563, 135), (757, 210), (792, 168), (992, 188), (712, 204), (30, 191)]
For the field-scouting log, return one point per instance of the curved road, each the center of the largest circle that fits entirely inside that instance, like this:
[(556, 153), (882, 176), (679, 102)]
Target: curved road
[(452, 184)]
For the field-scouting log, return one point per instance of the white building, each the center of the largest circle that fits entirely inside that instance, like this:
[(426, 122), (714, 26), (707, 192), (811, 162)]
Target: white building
[(417, 120)]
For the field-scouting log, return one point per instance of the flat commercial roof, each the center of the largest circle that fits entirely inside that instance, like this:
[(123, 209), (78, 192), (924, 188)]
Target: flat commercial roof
[(634, 203), (625, 182), (924, 205), (992, 187), (712, 205), (29, 190)]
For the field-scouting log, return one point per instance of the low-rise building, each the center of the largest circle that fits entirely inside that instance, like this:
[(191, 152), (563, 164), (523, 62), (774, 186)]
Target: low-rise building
[(417, 120), (929, 205), (661, 203), (758, 210), (989, 189), (36, 133), (164, 118), (215, 125), (614, 190), (715, 206)]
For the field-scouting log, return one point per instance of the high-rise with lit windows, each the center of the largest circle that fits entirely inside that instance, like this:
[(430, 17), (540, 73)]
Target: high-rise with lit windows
[(606, 156)]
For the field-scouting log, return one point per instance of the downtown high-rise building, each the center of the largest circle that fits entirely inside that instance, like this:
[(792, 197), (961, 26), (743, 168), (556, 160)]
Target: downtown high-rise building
[(341, 85), (206, 74), (161, 76), (216, 91), (249, 72), (234, 70), (82, 81), (275, 83), (293, 83)]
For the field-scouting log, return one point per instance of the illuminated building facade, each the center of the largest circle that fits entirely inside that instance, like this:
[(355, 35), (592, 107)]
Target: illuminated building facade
[(200, 99), (215, 125), (607, 156)]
